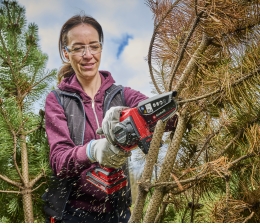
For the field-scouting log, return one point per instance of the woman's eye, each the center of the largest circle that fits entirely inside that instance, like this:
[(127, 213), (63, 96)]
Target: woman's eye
[(94, 47), (77, 48)]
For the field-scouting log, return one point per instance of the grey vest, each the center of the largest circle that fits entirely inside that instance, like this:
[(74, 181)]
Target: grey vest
[(59, 190)]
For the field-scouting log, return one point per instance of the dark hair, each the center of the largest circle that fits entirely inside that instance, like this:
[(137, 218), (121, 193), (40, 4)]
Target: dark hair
[(66, 70)]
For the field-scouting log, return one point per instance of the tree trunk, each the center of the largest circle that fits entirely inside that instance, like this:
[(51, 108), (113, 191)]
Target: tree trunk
[(147, 173), (166, 168), (28, 207), (27, 195)]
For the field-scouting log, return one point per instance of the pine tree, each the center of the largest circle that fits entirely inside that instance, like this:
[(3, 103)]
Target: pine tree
[(209, 51), (23, 146)]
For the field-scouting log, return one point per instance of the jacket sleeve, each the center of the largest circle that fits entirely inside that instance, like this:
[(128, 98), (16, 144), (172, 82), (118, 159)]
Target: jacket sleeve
[(133, 97), (66, 159)]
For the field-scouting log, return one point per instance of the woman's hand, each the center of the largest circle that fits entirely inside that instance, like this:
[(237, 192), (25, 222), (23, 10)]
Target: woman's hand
[(111, 118), (106, 154)]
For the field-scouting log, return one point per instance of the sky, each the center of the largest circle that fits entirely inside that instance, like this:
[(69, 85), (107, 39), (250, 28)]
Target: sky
[(127, 27)]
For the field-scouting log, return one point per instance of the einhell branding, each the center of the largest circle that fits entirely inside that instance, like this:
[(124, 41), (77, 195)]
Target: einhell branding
[(161, 112)]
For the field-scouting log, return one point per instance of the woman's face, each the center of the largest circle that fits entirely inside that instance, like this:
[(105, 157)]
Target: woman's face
[(86, 65)]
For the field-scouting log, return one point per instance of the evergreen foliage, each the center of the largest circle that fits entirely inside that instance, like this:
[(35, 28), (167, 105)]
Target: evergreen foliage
[(209, 51), (23, 145)]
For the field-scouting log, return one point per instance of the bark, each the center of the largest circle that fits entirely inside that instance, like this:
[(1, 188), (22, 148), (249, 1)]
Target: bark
[(166, 168), (192, 63), (147, 173), (27, 195), (187, 39)]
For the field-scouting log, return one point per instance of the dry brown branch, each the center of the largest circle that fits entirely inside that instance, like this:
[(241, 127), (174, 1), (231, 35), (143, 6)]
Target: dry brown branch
[(237, 82), (182, 50), (230, 143), (177, 182), (219, 166), (236, 208), (249, 217), (209, 137), (152, 43)]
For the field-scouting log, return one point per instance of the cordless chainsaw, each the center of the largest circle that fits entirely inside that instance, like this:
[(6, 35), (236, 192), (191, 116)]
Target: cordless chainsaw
[(135, 129)]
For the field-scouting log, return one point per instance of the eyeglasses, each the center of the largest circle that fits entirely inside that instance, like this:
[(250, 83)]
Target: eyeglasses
[(80, 50)]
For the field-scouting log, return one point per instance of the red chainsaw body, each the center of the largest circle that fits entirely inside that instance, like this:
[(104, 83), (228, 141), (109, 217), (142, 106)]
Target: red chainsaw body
[(135, 128), (141, 126)]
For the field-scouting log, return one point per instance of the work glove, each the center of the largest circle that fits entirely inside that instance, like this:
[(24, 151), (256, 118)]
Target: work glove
[(111, 118), (106, 154)]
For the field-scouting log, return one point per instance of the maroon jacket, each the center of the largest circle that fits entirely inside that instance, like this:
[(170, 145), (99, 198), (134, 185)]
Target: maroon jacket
[(65, 156)]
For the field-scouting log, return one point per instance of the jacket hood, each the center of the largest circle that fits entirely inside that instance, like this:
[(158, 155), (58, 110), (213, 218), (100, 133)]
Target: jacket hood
[(71, 84)]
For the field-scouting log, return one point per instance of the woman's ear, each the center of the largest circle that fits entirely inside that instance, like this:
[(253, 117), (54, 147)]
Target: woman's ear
[(66, 55)]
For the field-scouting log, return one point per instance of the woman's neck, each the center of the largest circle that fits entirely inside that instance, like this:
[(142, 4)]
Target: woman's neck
[(91, 85)]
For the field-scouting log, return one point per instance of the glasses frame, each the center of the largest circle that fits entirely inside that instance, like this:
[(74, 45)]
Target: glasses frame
[(84, 51)]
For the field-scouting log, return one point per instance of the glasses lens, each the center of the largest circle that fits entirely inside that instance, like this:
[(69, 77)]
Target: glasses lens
[(94, 48), (80, 50)]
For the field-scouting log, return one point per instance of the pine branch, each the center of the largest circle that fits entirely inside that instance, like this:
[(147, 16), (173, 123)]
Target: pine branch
[(205, 42), (14, 183), (173, 184), (226, 208), (37, 178), (12, 192), (147, 173), (38, 186), (168, 163), (235, 83), (25, 57), (161, 213), (199, 176), (33, 130), (155, 32), (235, 162), (37, 83), (183, 48), (10, 127), (14, 158), (230, 143), (249, 217), (8, 60), (204, 146)]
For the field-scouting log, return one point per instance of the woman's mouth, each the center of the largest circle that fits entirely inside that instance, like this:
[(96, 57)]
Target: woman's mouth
[(88, 66)]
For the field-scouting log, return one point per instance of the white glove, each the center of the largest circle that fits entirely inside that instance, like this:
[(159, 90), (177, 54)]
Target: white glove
[(106, 154), (111, 118)]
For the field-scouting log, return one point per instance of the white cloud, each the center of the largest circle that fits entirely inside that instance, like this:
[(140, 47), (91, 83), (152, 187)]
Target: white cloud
[(38, 8)]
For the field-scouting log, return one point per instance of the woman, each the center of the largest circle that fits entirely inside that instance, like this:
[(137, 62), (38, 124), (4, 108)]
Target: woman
[(71, 198)]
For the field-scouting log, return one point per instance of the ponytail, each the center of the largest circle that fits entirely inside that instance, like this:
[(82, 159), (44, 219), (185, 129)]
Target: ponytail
[(65, 71)]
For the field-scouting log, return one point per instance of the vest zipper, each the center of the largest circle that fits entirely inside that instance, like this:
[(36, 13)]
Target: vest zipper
[(93, 107)]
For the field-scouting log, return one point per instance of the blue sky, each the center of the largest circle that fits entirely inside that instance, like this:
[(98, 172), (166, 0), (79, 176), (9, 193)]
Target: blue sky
[(127, 26)]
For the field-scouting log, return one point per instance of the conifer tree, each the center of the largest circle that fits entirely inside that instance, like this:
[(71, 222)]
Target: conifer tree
[(209, 51), (23, 146)]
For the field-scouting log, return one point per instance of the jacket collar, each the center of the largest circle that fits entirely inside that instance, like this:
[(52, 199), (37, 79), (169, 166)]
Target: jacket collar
[(71, 84)]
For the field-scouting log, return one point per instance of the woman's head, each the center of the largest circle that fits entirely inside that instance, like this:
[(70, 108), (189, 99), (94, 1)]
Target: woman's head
[(80, 29)]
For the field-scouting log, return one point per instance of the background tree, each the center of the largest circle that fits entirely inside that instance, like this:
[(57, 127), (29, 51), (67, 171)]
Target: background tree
[(209, 51), (23, 146)]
